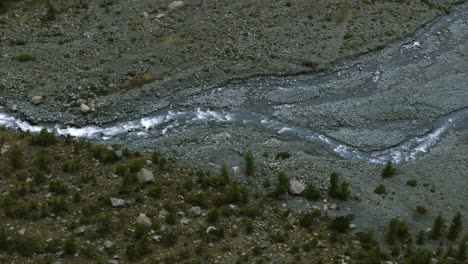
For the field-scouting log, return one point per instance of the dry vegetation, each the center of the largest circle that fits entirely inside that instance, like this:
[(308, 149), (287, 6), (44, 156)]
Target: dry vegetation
[(56, 203)]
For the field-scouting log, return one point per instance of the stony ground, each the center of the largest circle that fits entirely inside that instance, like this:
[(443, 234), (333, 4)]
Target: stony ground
[(111, 55)]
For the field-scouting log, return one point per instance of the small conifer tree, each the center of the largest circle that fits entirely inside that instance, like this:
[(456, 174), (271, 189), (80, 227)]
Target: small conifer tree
[(455, 227)]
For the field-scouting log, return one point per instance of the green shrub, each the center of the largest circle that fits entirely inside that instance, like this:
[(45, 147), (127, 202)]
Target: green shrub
[(51, 13), (279, 237), (26, 246), (455, 227), (282, 183), (58, 187), (389, 170), (16, 157), (155, 192), (70, 248), (72, 166), (140, 231), (337, 189), (212, 216), (333, 188), (171, 217), (437, 227), (421, 210), (38, 177), (308, 219), (169, 239), (412, 183), (397, 231), (137, 165), (58, 205), (138, 249), (283, 155), (224, 178), (249, 164), (24, 57), (311, 192), (341, 224), (43, 160), (43, 139), (309, 64), (236, 194), (4, 243), (380, 189), (104, 224)]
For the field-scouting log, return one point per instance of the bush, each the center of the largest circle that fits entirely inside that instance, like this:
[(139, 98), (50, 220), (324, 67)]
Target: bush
[(311, 192), (169, 239), (212, 216), (58, 187), (283, 155), (333, 189), (58, 205), (309, 64), (437, 227), (236, 194), (337, 189), (43, 160), (421, 210), (282, 183), (380, 189), (72, 166), (341, 223), (389, 170), (412, 183), (26, 246), (308, 219), (171, 218), (397, 231), (70, 248), (139, 249), (24, 57), (249, 164), (16, 157), (51, 12), (155, 192), (4, 243), (455, 227), (43, 139), (224, 177)]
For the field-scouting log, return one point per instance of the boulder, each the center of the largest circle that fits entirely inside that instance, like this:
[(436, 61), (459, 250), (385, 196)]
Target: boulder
[(210, 229), (108, 244), (84, 108), (37, 99), (80, 230), (186, 221), (144, 220), (195, 211), (175, 5), (295, 187), (116, 202), (145, 176)]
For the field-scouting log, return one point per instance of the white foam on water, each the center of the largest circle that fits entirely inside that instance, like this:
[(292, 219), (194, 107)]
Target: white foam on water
[(150, 122), (406, 151)]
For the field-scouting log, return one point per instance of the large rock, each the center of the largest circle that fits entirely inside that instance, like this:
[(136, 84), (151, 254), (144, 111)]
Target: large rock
[(116, 202), (37, 99), (145, 176), (84, 108), (175, 5), (144, 220), (296, 187), (195, 211)]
